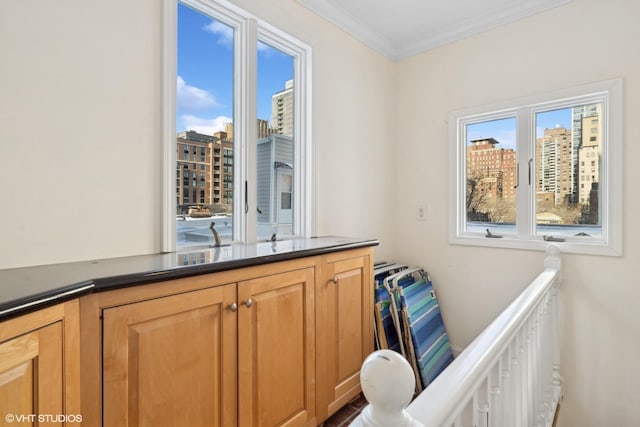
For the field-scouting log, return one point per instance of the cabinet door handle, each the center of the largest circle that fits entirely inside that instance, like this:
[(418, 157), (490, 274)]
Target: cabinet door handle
[(335, 279), (233, 307), (248, 302)]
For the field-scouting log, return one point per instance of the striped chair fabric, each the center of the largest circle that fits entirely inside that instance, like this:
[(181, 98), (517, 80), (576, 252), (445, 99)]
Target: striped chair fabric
[(428, 341)]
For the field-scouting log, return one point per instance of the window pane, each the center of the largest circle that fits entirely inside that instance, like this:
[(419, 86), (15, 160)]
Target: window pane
[(205, 131), (568, 160), (491, 176), (275, 145)]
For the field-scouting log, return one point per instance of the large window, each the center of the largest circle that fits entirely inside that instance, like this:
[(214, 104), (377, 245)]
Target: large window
[(238, 113), (542, 169)]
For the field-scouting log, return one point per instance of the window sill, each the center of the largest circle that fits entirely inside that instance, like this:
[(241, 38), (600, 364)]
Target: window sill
[(597, 247)]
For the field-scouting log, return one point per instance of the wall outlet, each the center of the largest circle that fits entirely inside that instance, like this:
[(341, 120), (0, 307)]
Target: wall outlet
[(421, 213)]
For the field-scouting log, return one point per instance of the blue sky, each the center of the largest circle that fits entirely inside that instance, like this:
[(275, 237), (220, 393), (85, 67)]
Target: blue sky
[(205, 73), (504, 130)]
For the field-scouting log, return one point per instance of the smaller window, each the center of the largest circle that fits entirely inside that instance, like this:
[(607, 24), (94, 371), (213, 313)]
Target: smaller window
[(515, 180)]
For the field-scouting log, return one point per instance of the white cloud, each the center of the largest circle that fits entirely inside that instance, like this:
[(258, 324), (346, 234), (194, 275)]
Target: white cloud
[(203, 125), (225, 38), (193, 98), (224, 31)]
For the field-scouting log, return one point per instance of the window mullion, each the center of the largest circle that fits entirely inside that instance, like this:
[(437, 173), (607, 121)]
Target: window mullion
[(526, 190), (245, 111)]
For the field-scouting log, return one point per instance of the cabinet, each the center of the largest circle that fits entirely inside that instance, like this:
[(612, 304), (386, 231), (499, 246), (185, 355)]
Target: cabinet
[(277, 350), (239, 352), (344, 330), (171, 361), (277, 344), (39, 366)]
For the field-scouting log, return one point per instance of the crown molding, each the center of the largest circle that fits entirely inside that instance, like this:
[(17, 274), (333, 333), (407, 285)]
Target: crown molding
[(351, 25), (401, 49), (478, 24)]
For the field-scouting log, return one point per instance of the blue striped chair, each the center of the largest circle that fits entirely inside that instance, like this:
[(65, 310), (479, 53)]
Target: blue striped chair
[(427, 339)]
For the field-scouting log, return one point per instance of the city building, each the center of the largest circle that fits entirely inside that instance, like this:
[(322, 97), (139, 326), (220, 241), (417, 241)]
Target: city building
[(577, 116), (492, 172), (554, 167), (589, 152), (282, 110), (204, 172)]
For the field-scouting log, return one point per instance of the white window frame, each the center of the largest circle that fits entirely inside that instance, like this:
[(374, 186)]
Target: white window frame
[(524, 109), (248, 30)]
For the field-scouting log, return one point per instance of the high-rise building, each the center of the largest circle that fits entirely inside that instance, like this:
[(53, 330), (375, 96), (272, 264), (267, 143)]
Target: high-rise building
[(264, 130), (577, 115), (282, 110), (589, 152), (554, 166)]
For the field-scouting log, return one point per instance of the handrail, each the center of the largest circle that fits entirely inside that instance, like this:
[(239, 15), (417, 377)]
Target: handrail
[(509, 360)]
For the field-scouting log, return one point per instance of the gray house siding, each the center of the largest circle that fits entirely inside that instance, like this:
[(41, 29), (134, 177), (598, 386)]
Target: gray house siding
[(273, 152)]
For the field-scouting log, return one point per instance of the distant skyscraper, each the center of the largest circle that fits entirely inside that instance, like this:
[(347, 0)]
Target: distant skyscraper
[(589, 159), (264, 131), (554, 164), (282, 110), (577, 116)]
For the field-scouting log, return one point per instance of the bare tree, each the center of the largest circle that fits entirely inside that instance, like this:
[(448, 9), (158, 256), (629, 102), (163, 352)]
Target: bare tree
[(477, 193)]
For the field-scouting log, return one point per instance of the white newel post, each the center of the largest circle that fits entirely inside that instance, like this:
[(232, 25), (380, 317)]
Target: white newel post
[(388, 384)]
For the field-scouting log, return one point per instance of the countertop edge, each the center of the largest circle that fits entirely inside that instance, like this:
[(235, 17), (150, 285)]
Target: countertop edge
[(66, 292), (45, 299)]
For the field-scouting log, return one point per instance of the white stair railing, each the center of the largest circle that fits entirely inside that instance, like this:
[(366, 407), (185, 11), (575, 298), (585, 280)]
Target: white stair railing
[(509, 376)]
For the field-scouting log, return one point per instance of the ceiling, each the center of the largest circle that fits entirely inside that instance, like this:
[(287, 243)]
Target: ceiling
[(402, 28)]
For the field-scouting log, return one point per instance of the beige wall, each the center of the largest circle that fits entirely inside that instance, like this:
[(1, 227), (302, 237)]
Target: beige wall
[(80, 128), (75, 68), (581, 42)]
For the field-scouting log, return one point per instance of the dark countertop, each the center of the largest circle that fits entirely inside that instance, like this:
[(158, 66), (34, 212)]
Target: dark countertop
[(30, 288)]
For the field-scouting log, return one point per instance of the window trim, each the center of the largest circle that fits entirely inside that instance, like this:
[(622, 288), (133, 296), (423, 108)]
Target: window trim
[(247, 31), (524, 109)]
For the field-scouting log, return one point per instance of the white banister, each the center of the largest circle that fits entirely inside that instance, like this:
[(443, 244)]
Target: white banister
[(509, 376)]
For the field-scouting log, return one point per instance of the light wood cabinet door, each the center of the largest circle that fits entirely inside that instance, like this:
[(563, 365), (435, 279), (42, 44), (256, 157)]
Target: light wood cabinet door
[(344, 327), (171, 361), (276, 359), (31, 374), (39, 374)]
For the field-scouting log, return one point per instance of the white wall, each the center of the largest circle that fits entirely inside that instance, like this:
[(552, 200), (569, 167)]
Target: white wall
[(80, 128), (581, 42)]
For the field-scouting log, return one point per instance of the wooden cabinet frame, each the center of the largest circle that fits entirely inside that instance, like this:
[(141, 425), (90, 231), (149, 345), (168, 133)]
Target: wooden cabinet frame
[(344, 332), (40, 362)]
